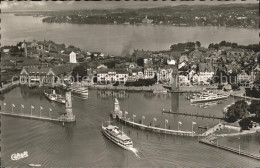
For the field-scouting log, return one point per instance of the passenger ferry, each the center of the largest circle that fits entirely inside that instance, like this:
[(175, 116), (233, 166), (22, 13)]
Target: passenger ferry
[(55, 97), (117, 136), (79, 91), (204, 97)]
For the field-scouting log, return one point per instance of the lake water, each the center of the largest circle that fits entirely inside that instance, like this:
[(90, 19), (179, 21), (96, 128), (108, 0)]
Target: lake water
[(82, 144), (117, 39)]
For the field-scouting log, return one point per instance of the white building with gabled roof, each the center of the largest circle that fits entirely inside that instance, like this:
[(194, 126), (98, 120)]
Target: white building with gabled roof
[(73, 58)]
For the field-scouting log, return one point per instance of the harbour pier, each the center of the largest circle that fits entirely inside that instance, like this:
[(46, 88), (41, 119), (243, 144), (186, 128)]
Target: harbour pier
[(117, 113), (237, 151), (68, 116), (29, 116), (157, 129), (193, 115)]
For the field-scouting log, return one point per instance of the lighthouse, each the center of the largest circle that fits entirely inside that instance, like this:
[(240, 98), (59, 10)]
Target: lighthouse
[(116, 111), (68, 116)]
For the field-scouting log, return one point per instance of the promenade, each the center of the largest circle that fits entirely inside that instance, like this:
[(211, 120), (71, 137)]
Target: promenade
[(237, 151), (240, 94), (127, 88), (9, 86)]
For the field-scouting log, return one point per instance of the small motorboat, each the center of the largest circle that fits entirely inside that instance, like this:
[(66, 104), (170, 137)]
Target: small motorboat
[(35, 165)]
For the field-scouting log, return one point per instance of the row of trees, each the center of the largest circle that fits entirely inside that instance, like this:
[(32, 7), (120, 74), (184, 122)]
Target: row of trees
[(183, 46), (141, 82), (254, 47), (236, 111), (239, 110)]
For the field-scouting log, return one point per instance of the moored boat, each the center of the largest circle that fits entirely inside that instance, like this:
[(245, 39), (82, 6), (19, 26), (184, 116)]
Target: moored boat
[(117, 136), (209, 97), (160, 91), (79, 91), (55, 97)]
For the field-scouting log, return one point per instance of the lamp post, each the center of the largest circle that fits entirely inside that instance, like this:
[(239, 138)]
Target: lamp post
[(143, 118)]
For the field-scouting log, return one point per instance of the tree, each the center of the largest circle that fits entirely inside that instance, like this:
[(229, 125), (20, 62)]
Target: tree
[(236, 111), (79, 72), (245, 123), (198, 43), (140, 62)]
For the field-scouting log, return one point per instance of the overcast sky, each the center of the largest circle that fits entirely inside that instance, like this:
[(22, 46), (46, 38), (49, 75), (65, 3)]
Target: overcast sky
[(59, 5)]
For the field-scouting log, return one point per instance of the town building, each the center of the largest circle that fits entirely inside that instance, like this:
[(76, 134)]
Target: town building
[(45, 75), (164, 74), (110, 76), (149, 71), (73, 57)]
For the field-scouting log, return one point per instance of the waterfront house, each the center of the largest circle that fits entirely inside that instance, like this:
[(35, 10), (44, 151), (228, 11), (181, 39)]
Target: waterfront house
[(149, 71), (206, 72), (164, 74), (108, 76), (136, 73), (184, 80), (45, 75)]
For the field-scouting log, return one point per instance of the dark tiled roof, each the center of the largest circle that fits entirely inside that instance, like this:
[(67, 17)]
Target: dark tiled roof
[(63, 69), (31, 62)]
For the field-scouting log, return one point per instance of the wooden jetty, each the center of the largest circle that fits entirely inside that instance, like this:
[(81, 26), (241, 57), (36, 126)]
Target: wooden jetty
[(193, 115), (211, 143), (157, 129)]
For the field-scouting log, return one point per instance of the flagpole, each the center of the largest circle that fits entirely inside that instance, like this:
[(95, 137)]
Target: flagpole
[(50, 112), (4, 106), (192, 128)]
